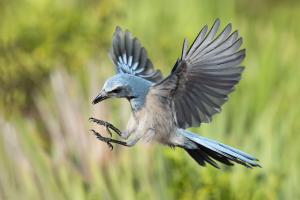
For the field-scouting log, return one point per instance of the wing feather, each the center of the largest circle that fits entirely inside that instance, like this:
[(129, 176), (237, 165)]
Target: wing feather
[(202, 79), (130, 57), (199, 39), (207, 40)]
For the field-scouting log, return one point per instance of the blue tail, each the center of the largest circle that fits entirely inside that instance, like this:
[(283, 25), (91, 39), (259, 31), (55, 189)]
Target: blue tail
[(209, 150)]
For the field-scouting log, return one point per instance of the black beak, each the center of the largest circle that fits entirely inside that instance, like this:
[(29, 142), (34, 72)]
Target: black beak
[(103, 95)]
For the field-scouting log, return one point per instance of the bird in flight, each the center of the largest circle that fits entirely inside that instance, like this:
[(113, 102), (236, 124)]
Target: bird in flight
[(163, 108)]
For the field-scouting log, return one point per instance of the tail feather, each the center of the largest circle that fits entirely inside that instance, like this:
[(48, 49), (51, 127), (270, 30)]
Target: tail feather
[(209, 150), (200, 157)]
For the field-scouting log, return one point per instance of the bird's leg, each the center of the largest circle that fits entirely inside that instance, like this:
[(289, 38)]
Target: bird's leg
[(107, 125), (108, 141)]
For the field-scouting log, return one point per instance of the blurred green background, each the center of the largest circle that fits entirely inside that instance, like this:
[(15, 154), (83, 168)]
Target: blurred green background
[(53, 61)]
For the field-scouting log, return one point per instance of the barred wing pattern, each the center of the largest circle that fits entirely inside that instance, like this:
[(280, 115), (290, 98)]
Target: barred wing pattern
[(201, 80), (131, 58)]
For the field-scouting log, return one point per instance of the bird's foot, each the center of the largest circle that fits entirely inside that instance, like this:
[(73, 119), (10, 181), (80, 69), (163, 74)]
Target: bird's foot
[(107, 125), (104, 139), (107, 140)]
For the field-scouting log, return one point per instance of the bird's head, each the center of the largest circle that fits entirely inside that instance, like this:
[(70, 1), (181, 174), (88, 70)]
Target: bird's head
[(123, 86)]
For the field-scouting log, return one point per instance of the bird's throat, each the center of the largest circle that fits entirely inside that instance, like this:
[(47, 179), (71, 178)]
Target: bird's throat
[(137, 103)]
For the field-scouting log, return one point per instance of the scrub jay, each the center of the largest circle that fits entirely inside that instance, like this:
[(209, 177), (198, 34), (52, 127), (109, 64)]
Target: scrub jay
[(163, 108)]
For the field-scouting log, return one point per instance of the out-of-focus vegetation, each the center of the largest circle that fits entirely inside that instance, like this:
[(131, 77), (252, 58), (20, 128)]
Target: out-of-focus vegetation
[(53, 60)]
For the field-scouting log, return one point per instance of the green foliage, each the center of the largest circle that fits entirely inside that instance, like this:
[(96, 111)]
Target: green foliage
[(53, 60), (39, 36)]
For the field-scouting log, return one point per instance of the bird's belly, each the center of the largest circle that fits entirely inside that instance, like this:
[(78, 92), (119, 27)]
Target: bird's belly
[(157, 124)]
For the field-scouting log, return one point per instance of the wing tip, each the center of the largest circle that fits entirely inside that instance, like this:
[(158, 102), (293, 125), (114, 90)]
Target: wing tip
[(217, 22), (184, 48)]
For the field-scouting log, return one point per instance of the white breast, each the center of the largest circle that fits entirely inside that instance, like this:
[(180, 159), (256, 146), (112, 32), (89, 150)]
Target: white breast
[(155, 120)]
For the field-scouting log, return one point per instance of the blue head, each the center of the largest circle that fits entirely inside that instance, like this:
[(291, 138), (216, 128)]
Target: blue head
[(127, 86)]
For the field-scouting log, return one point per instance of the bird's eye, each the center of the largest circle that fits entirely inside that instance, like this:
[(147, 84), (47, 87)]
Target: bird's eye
[(117, 90)]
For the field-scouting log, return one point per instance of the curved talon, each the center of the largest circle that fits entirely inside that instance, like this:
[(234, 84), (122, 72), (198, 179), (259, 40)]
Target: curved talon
[(110, 146), (104, 139), (95, 133), (92, 130), (109, 141), (109, 132), (92, 119), (107, 125)]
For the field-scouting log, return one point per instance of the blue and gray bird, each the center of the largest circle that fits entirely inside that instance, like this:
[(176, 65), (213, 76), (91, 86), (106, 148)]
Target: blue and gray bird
[(163, 108)]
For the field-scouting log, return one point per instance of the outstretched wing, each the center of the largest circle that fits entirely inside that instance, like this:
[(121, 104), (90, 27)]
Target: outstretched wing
[(131, 58), (201, 80)]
